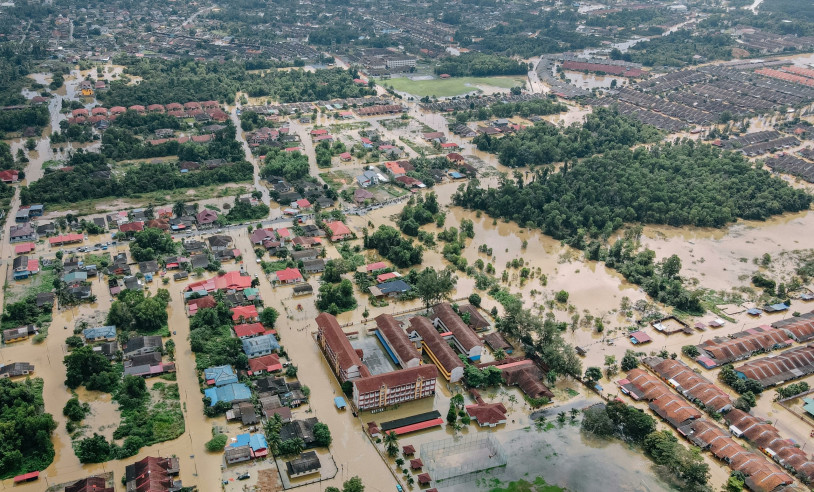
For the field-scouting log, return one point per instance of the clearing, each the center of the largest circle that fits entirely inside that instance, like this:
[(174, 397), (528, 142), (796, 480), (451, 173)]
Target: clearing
[(454, 86)]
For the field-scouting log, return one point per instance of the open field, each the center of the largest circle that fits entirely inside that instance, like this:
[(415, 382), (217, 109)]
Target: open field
[(456, 86)]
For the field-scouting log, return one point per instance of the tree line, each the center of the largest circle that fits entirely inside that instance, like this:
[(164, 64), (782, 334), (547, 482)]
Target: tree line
[(25, 436), (91, 178), (480, 65), (543, 143)]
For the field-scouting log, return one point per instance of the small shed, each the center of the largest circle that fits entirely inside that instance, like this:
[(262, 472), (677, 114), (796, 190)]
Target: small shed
[(340, 403), (408, 450), (416, 464), (424, 479)]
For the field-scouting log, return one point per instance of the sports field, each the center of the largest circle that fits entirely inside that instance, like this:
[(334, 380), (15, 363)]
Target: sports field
[(455, 86)]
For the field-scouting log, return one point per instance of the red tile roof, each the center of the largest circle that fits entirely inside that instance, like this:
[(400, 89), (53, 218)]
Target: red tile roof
[(463, 334), (487, 413), (379, 265), (132, 227), (23, 248), (692, 385), (391, 330), (267, 363), (288, 275), (338, 229), (248, 330), (227, 281), (245, 312), (395, 378), (338, 342)]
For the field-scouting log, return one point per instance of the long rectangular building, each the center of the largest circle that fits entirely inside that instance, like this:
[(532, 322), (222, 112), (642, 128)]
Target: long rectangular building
[(437, 349), (395, 342), (790, 364), (688, 383), (338, 351), (745, 344), (463, 336), (394, 387)]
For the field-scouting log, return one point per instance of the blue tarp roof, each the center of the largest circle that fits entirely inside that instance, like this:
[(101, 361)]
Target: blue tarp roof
[(255, 441), (754, 311), (228, 392), (340, 402)]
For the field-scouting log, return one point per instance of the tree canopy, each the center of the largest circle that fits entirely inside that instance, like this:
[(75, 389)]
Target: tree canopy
[(25, 433)]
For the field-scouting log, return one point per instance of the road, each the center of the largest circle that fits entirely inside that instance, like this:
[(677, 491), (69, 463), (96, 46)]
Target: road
[(266, 198)]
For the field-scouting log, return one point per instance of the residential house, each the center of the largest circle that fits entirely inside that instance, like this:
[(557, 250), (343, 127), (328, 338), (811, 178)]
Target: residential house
[(90, 484), (20, 333), (15, 370), (339, 231), (302, 429), (264, 364), (259, 346), (230, 393), (100, 333), (153, 475), (249, 330), (206, 218), (306, 464), (22, 232), (316, 265), (288, 276), (393, 288), (220, 375), (141, 345), (219, 243), (368, 178), (245, 313)]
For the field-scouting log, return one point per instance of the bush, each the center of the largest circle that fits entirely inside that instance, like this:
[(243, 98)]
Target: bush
[(561, 297), (474, 299), (690, 351), (217, 443)]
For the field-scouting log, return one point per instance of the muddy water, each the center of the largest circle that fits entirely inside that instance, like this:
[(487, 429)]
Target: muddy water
[(590, 81), (714, 255)]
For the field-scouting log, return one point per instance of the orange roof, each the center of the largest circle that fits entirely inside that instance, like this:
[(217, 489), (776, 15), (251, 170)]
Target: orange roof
[(228, 281), (245, 312), (394, 167)]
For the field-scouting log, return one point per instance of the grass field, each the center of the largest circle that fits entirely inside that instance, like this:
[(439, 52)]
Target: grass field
[(455, 86)]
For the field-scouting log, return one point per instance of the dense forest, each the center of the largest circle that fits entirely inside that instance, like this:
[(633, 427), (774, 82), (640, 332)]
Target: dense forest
[(679, 48), (603, 130), (167, 81), (675, 184), (91, 178), (539, 107), (480, 65), (681, 184), (19, 119), (25, 436), (289, 165), (122, 144)]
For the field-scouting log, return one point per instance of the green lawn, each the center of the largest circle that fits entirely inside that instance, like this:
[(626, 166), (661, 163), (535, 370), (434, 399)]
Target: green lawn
[(454, 86)]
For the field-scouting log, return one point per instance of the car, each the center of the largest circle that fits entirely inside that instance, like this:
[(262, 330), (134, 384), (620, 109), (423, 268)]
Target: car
[(258, 260), (244, 476), (398, 488)]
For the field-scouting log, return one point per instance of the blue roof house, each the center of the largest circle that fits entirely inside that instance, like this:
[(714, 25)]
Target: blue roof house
[(99, 333), (230, 393), (220, 375), (259, 346)]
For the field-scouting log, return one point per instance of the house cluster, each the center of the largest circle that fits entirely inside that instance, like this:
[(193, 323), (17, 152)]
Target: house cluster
[(680, 412), (765, 338), (246, 447), (286, 193), (101, 117), (275, 137), (236, 291), (141, 355), (153, 474), (24, 227), (500, 126)]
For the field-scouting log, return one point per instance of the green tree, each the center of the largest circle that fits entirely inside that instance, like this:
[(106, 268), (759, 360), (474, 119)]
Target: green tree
[(354, 484), (322, 435), (94, 449), (269, 316), (629, 361), (433, 286), (74, 410), (217, 443), (391, 443), (593, 374)]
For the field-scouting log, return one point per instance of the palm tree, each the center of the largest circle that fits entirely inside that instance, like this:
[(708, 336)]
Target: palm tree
[(499, 354), (391, 443), (561, 417), (574, 413)]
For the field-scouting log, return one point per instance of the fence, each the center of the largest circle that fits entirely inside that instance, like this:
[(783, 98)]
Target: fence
[(464, 459)]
